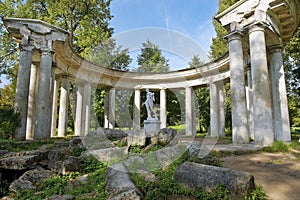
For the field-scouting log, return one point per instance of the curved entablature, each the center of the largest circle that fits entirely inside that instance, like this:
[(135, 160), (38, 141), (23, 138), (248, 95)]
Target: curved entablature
[(69, 62), (280, 17)]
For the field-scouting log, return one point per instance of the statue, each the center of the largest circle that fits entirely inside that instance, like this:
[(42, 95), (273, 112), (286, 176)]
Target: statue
[(149, 105)]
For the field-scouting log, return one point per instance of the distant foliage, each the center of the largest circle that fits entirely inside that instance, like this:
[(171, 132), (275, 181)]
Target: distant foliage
[(277, 146), (9, 122)]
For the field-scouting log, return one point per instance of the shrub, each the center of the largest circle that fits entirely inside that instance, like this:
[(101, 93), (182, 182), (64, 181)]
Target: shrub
[(9, 122), (277, 146)]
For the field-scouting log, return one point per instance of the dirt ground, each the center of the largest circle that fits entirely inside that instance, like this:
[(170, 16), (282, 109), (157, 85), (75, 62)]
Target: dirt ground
[(277, 173)]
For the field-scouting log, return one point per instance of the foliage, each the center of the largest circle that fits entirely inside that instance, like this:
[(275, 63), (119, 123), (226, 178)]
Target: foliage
[(219, 43), (57, 184), (15, 146), (258, 194), (294, 110), (151, 59), (195, 62), (10, 121), (203, 99), (277, 146)]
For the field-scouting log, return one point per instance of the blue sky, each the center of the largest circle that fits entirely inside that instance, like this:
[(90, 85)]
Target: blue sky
[(191, 19)]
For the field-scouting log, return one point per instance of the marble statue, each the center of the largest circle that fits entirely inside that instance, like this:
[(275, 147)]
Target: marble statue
[(149, 105)]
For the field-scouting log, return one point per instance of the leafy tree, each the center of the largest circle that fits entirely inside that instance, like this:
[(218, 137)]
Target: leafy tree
[(151, 59), (195, 62)]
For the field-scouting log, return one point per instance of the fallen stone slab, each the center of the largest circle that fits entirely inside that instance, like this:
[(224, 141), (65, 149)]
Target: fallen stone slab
[(29, 180), (194, 175), (119, 184), (108, 155)]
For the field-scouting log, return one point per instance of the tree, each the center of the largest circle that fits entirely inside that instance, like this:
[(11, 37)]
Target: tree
[(195, 62), (107, 54), (151, 59), (87, 21)]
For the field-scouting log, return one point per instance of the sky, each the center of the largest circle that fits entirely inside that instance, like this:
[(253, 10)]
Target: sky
[(180, 28)]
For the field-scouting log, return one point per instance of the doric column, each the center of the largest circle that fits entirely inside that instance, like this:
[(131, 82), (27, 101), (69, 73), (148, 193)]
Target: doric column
[(106, 108), (188, 111), (31, 103), (250, 104), (79, 106), (237, 86), (63, 107), (163, 108), (263, 128), (54, 107), (279, 98), (137, 109), (43, 104), (86, 109), (214, 110), (112, 108), (217, 112), (22, 89)]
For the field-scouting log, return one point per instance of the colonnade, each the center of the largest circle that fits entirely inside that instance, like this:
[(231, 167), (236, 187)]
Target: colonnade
[(257, 31)]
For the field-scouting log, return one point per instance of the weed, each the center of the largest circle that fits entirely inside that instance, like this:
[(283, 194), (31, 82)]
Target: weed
[(277, 146)]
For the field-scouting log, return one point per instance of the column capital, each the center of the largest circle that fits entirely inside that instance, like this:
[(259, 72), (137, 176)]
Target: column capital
[(257, 26), (26, 47), (234, 35), (274, 48)]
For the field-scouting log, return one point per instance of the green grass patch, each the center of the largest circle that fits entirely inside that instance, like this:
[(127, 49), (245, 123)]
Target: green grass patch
[(277, 146), (16, 146)]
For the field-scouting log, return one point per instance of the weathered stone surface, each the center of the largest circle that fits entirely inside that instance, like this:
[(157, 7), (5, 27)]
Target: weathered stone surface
[(3, 152), (168, 155), (208, 177), (29, 180), (119, 184), (71, 164), (22, 160), (136, 137), (107, 155), (166, 136), (56, 156)]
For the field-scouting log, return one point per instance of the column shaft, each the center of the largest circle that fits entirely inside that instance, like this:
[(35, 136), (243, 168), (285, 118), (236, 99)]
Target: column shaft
[(31, 103), (43, 103), (263, 128), (106, 108), (79, 107), (63, 107), (163, 109), (54, 108), (112, 102), (137, 109), (237, 87), (279, 98), (214, 110), (22, 89), (86, 109), (188, 111)]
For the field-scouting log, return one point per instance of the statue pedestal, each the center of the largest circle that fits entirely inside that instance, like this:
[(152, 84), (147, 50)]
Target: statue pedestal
[(151, 126)]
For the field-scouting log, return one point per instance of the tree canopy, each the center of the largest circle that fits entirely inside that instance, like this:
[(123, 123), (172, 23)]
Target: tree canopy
[(151, 59)]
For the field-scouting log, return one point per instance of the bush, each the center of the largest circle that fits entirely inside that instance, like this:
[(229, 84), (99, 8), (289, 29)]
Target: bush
[(9, 122), (277, 146)]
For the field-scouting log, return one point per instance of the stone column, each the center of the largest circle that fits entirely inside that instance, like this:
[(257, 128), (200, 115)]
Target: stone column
[(237, 86), (86, 109), (63, 107), (279, 98), (112, 108), (22, 89), (79, 113), (263, 128), (54, 108), (106, 108), (43, 103), (221, 103), (188, 111), (31, 103), (250, 104), (163, 109), (214, 110), (137, 109)]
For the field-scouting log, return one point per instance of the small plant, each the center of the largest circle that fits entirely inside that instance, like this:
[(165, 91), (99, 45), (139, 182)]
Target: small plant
[(258, 194), (277, 146)]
